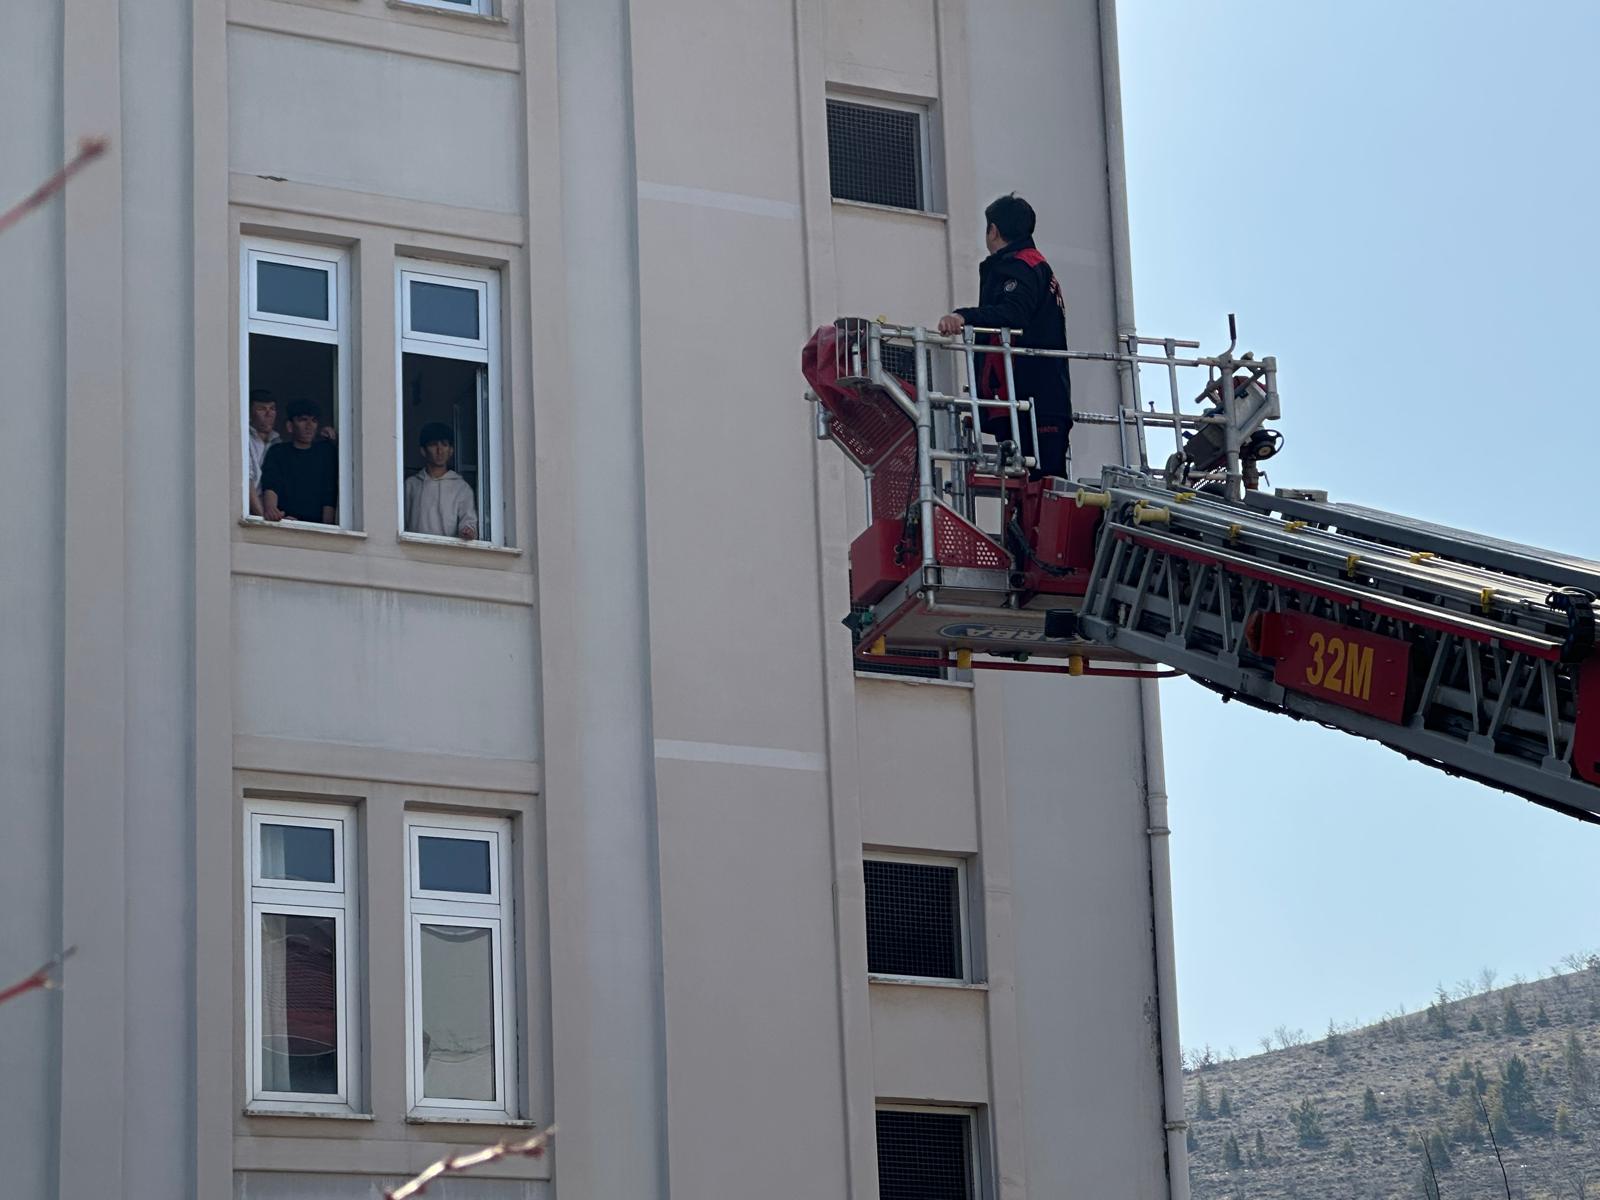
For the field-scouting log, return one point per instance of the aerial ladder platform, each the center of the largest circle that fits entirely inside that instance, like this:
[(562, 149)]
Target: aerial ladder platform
[(1472, 655)]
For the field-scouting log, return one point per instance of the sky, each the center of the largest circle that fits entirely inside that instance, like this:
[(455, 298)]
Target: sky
[(1399, 202)]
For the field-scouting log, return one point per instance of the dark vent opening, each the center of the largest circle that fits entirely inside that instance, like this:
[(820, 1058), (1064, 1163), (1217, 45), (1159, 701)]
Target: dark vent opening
[(913, 919), (875, 154), (924, 1156)]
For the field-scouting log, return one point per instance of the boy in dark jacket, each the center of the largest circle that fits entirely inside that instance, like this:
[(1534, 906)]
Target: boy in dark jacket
[(1017, 290)]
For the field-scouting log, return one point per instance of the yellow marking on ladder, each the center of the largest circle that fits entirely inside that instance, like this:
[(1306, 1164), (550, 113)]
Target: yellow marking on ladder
[(1422, 556), (1350, 565), (1295, 526), (1486, 599), (964, 660), (1184, 497), (1234, 531)]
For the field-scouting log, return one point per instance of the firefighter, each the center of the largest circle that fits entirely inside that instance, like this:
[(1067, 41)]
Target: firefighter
[(1017, 290)]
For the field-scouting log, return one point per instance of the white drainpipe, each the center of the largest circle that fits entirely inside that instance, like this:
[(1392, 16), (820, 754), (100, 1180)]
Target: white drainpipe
[(1155, 773)]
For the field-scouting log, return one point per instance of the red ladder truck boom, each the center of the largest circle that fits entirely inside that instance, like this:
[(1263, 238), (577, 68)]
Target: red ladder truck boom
[(1472, 655)]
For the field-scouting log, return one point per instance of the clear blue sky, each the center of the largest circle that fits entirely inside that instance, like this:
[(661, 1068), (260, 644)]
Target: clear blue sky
[(1400, 202)]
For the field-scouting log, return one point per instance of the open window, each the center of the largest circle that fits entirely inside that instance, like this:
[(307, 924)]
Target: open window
[(450, 452), (294, 368), (302, 911), (460, 999)]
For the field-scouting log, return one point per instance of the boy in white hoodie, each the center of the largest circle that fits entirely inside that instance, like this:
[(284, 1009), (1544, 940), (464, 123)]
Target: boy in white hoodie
[(438, 501)]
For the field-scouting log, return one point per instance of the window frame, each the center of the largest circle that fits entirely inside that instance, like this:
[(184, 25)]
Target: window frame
[(977, 1188), (336, 332), (472, 8), (293, 898), (499, 917), (929, 199), (488, 350), (963, 913)]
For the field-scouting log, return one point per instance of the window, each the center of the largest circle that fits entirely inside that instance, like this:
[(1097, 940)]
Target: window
[(449, 403), (878, 153), (294, 362), (484, 8), (926, 1154), (916, 917), (302, 906), (460, 995)]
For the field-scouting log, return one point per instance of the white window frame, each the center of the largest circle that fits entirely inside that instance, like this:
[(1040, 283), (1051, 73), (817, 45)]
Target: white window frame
[(963, 915), (471, 910), (294, 898), (472, 8), (485, 349), (335, 331), (977, 1186), (931, 200)]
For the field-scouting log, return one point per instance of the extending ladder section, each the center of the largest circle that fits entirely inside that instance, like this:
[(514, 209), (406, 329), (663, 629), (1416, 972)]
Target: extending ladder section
[(1474, 656)]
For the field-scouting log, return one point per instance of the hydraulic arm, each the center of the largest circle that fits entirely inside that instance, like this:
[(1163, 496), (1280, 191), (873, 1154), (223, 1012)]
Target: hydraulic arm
[(1473, 655)]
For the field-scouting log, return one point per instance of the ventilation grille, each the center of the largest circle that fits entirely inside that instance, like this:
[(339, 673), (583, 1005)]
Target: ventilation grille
[(913, 919), (867, 666), (899, 361), (875, 154), (924, 1155)]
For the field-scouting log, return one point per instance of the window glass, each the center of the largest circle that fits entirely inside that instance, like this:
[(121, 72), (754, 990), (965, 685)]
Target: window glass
[(292, 291), (924, 1155), (458, 1020), (300, 853), (913, 919), (299, 1004), (438, 308), (450, 864)]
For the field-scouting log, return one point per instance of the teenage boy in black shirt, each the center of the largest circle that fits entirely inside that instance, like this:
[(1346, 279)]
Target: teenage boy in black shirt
[(300, 477)]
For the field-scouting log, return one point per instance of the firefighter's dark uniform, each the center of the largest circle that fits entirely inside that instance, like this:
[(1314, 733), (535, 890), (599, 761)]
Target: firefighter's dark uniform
[(1018, 290)]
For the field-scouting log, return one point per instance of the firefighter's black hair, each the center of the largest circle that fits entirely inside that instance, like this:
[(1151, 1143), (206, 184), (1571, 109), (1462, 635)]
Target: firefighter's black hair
[(1012, 216)]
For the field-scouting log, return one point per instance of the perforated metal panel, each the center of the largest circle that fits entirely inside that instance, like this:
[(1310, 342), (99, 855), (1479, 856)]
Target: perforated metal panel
[(913, 919), (924, 1155), (875, 154)]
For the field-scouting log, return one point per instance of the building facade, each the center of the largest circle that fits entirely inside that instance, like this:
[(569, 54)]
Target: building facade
[(543, 789)]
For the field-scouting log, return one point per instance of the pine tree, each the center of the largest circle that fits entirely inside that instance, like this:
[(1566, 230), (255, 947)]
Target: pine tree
[(1439, 1151), (1202, 1104), (1467, 1125), (1369, 1106), (1230, 1153), (1452, 1086), (1439, 1021), (1261, 1149), (1475, 1023), (1512, 1020), (1347, 1152), (1579, 1075), (1563, 1121), (1516, 1094), (1224, 1105), (1334, 1045), (1498, 1122), (1541, 1018), (1307, 1122)]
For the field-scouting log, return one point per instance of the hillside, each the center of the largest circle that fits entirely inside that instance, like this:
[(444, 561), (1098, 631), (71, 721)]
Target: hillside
[(1529, 1054)]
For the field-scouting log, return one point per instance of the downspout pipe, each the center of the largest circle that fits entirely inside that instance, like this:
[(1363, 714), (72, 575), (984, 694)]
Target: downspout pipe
[(1155, 773)]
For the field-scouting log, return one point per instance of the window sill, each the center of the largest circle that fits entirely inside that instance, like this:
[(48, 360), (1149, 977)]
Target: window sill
[(959, 985), (885, 208), (423, 1117), (460, 15), (917, 680), (317, 1114), (303, 527), (428, 539)]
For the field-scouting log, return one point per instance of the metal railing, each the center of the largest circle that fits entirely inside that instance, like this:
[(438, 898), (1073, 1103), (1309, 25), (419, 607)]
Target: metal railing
[(946, 405)]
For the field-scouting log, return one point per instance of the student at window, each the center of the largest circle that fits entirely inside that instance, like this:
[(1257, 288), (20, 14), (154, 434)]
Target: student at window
[(263, 436), (300, 477), (438, 501)]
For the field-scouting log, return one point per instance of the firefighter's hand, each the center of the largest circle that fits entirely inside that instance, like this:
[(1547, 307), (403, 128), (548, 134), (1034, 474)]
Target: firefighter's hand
[(952, 324)]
